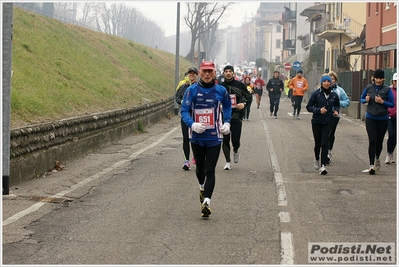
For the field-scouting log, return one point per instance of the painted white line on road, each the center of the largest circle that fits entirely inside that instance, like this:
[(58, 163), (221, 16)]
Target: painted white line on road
[(36, 206), (287, 251), (284, 216), (280, 189)]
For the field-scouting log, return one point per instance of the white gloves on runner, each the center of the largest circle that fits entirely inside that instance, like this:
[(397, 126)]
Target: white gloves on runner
[(198, 127), (225, 129)]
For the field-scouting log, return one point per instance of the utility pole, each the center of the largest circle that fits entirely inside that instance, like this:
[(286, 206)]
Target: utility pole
[(8, 10), (176, 106)]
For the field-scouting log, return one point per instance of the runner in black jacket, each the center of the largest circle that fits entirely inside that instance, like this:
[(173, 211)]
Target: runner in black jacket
[(239, 96), (275, 86)]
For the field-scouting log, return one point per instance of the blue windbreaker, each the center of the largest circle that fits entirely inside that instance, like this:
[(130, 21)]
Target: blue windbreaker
[(199, 99)]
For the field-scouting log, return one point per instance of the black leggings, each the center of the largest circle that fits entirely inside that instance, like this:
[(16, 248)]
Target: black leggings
[(235, 133), (376, 130), (297, 100), (321, 133), (331, 139), (206, 160), (186, 140), (391, 143), (247, 108)]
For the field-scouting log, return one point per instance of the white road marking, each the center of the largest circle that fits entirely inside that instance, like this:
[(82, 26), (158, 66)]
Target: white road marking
[(287, 252), (284, 216), (37, 206)]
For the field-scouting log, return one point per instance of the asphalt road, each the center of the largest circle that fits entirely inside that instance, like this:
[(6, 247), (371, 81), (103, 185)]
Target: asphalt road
[(131, 203)]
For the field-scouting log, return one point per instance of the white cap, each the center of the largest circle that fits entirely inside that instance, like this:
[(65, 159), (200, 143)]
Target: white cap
[(395, 77)]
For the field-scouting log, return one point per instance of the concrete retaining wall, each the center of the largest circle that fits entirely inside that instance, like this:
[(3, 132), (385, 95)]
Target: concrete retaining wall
[(34, 149)]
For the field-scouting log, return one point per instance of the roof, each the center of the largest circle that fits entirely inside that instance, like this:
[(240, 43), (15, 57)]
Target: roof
[(310, 11)]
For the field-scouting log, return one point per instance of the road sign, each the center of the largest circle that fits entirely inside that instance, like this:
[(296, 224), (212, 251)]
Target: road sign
[(287, 66), (296, 65)]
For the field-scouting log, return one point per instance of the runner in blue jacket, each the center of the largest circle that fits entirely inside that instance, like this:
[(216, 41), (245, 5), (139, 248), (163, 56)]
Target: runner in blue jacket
[(324, 104), (344, 103), (201, 111)]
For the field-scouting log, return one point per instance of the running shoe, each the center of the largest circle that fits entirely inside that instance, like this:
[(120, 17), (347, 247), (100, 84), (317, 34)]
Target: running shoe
[(201, 196), (389, 159), (206, 210), (323, 170), (227, 166), (372, 170), (236, 157), (193, 160), (297, 117), (275, 116), (316, 164), (186, 165), (271, 114), (377, 164)]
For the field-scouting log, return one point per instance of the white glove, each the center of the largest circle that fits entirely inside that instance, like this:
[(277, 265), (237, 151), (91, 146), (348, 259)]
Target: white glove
[(225, 129), (198, 127)]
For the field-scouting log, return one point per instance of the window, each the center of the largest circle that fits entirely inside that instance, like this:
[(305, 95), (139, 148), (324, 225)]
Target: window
[(278, 43), (368, 9), (277, 59), (278, 28), (335, 57)]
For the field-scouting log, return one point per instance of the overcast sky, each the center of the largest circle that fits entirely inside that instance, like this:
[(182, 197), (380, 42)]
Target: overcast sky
[(164, 13)]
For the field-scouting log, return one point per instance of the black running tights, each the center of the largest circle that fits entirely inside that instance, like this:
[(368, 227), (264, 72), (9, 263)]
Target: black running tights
[(321, 133), (235, 135), (206, 160), (186, 140), (376, 130)]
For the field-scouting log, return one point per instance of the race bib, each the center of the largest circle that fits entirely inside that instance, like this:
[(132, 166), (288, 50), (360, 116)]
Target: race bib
[(233, 99), (205, 116)]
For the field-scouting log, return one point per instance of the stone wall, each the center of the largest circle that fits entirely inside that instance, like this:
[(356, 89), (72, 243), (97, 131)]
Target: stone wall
[(34, 149)]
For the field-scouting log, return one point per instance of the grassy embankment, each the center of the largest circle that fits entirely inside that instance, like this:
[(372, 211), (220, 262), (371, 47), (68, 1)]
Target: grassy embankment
[(62, 70)]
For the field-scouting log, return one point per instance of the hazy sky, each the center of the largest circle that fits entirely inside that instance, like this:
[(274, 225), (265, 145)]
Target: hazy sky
[(164, 13)]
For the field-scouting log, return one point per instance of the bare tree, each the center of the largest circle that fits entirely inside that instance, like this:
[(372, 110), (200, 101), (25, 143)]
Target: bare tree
[(129, 23), (87, 9), (64, 11), (202, 18)]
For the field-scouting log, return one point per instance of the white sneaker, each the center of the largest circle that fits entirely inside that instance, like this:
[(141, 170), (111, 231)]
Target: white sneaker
[(388, 159), (377, 164), (323, 170), (316, 164), (227, 166), (236, 157)]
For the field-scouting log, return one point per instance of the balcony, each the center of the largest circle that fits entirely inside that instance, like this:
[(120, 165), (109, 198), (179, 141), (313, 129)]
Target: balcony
[(289, 44), (288, 17), (348, 26), (305, 41)]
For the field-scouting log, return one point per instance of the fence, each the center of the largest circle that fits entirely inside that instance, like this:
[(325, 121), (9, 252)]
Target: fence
[(354, 82)]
